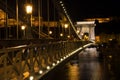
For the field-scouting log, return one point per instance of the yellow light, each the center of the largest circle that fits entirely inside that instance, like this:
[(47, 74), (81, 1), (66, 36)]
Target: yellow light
[(58, 61), (23, 27), (53, 64), (31, 77), (40, 71), (29, 9), (26, 74), (48, 67), (110, 56), (61, 59), (110, 39), (78, 31), (61, 34), (50, 32), (66, 25), (68, 36)]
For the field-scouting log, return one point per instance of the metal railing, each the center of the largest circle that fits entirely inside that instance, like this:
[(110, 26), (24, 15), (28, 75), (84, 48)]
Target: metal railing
[(25, 61)]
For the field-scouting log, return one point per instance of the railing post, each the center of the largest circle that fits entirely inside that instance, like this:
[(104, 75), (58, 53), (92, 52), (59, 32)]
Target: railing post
[(20, 67), (5, 65), (31, 61)]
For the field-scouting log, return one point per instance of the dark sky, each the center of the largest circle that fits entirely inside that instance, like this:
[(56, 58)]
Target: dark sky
[(79, 9)]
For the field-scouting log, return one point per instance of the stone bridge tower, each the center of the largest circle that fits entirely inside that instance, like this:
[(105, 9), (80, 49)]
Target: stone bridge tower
[(85, 30)]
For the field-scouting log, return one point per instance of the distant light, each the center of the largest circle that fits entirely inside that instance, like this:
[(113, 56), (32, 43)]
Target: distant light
[(62, 4), (50, 32), (64, 9), (110, 56), (40, 71), (100, 20), (110, 39), (58, 61), (64, 57), (78, 31), (61, 59), (65, 12), (29, 8), (86, 22), (31, 77), (53, 64), (66, 25), (61, 34), (23, 27), (60, 1), (48, 67), (68, 36)]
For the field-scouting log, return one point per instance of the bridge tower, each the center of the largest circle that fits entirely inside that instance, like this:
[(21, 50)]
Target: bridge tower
[(85, 30)]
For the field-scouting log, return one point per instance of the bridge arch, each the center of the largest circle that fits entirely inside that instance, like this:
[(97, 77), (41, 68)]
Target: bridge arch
[(85, 30)]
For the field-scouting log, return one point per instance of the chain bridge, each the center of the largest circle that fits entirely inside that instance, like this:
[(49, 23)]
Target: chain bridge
[(32, 45)]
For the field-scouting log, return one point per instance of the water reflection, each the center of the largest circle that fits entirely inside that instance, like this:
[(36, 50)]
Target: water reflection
[(86, 67), (90, 70), (73, 73), (89, 67)]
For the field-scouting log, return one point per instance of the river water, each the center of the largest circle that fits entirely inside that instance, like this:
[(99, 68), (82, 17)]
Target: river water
[(86, 67)]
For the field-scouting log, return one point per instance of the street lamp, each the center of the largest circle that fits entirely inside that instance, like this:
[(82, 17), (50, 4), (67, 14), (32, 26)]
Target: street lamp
[(50, 32), (66, 25), (61, 34), (23, 29), (28, 8), (68, 36)]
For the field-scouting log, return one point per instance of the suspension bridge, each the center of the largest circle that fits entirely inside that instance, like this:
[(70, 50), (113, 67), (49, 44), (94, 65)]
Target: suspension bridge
[(32, 45)]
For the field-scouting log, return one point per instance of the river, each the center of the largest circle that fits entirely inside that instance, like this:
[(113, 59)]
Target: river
[(86, 67)]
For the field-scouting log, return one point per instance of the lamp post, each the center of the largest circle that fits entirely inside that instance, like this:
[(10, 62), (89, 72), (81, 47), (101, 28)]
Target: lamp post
[(29, 21), (29, 8), (17, 18), (23, 29), (6, 23), (66, 27), (48, 15)]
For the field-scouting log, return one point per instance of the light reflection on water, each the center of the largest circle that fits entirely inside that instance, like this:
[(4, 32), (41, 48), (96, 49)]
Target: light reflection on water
[(87, 67), (90, 70), (73, 73)]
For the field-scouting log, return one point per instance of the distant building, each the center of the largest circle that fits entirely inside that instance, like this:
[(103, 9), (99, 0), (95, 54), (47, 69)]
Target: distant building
[(35, 21), (100, 20)]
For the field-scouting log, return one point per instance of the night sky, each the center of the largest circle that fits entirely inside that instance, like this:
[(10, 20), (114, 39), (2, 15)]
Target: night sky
[(80, 9), (77, 9)]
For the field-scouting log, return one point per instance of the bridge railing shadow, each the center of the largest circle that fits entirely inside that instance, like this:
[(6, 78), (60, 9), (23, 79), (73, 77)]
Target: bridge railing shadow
[(27, 61)]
